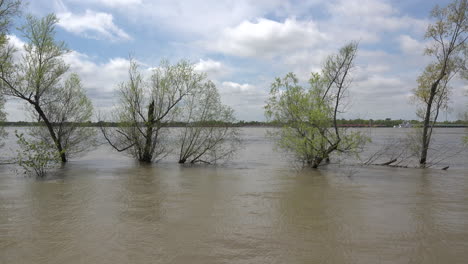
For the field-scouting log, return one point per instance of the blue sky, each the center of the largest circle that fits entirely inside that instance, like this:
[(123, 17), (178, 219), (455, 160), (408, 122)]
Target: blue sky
[(243, 45)]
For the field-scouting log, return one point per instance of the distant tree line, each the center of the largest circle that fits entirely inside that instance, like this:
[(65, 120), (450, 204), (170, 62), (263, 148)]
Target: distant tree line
[(241, 123)]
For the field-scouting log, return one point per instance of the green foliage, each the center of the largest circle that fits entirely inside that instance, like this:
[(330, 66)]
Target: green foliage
[(38, 78), (36, 157), (309, 115), (448, 35), (8, 9), (146, 105), (69, 108)]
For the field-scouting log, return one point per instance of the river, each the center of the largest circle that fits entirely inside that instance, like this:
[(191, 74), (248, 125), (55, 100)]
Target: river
[(258, 208)]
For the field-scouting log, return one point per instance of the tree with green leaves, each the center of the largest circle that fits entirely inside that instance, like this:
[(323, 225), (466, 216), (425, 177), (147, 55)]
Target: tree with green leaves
[(8, 9), (69, 110), (310, 115), (208, 135), (448, 34), (36, 157), (145, 107), (39, 78)]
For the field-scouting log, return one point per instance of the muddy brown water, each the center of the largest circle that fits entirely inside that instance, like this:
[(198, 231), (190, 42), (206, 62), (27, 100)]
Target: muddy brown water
[(259, 208)]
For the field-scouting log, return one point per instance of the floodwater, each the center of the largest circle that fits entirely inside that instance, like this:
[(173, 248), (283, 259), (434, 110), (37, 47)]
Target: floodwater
[(258, 208)]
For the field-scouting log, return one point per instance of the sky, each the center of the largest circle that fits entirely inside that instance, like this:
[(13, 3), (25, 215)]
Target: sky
[(243, 45)]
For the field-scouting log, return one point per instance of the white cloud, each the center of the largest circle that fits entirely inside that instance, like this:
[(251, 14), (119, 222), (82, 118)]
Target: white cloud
[(267, 38), (18, 44), (214, 69), (233, 87), (92, 24), (99, 78), (253, 41), (375, 15), (246, 99), (202, 18), (15, 41), (410, 45), (119, 3)]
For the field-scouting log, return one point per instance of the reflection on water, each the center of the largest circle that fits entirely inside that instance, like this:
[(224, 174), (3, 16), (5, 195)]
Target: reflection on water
[(105, 208)]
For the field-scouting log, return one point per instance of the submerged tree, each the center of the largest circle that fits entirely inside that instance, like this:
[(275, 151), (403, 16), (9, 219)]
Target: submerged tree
[(69, 109), (208, 135), (38, 79), (448, 35), (309, 115), (465, 117), (36, 157), (3, 133), (146, 106)]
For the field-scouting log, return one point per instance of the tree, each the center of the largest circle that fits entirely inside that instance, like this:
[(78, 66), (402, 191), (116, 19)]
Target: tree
[(208, 135), (310, 114), (146, 106), (8, 9), (69, 110), (465, 117), (448, 35), (38, 79), (3, 133), (36, 157)]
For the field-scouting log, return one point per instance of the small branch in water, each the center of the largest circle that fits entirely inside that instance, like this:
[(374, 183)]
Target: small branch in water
[(387, 163)]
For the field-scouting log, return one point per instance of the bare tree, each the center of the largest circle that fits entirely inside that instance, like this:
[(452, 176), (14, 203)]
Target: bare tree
[(38, 80), (208, 135), (146, 107), (448, 35), (310, 115)]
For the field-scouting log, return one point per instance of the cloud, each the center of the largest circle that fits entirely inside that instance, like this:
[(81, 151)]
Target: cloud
[(119, 3), (244, 44), (200, 18), (410, 45), (375, 15), (246, 99), (214, 69), (268, 38), (233, 87), (91, 24), (100, 79), (18, 44)]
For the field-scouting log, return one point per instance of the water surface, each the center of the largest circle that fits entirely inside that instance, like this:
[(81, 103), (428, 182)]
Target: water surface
[(259, 208)]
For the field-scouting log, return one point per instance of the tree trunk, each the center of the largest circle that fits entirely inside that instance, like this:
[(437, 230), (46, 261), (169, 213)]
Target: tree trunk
[(182, 161), (147, 153), (49, 126), (427, 119), (316, 162)]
